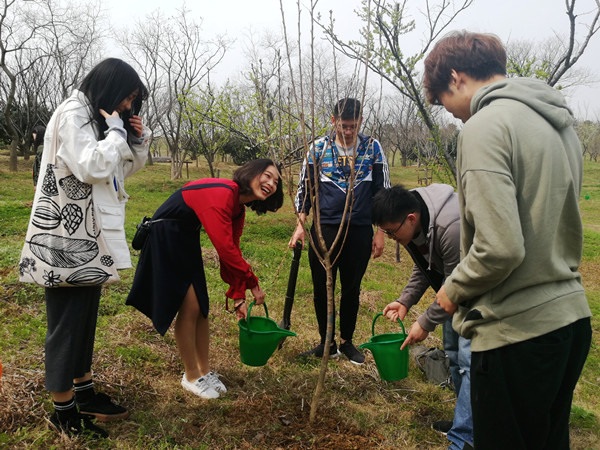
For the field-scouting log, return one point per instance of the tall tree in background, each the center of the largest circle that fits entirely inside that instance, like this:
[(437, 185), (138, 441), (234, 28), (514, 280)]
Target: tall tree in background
[(392, 31), (19, 24), (174, 59), (553, 59), (45, 48)]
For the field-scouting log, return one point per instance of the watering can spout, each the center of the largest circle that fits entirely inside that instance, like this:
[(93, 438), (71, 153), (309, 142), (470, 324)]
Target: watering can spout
[(366, 346), (285, 333)]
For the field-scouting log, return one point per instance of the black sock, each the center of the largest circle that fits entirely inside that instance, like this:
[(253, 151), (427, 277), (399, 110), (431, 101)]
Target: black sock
[(65, 410), (84, 391)]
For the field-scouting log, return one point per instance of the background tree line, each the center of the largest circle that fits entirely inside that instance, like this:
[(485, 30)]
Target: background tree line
[(47, 46)]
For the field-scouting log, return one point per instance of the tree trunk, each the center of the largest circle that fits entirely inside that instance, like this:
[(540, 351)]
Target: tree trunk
[(13, 155), (328, 338)]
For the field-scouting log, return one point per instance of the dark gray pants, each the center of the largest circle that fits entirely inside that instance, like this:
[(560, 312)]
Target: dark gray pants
[(72, 313)]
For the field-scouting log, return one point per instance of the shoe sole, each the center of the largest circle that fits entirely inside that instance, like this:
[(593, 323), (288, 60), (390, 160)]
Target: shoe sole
[(200, 396), (356, 363), (107, 417), (445, 433)]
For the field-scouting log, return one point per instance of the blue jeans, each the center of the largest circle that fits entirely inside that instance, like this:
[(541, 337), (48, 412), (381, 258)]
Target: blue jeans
[(458, 350)]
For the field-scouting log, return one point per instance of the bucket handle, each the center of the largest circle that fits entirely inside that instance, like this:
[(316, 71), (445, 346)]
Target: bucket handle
[(250, 309), (374, 319)]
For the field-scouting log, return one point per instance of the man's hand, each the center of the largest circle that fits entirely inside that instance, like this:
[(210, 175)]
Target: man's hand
[(415, 334), (445, 302), (378, 243), (299, 233), (395, 311)]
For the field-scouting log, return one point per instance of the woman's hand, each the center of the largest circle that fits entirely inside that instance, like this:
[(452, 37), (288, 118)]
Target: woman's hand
[(136, 124), (240, 308), (259, 294), (107, 115)]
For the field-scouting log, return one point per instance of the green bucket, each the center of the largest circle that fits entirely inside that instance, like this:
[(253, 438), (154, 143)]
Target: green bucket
[(259, 337), (391, 362)]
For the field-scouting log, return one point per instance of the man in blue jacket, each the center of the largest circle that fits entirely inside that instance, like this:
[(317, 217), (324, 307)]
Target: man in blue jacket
[(346, 163)]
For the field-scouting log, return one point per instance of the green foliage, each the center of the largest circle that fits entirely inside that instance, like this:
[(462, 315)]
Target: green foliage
[(583, 419)]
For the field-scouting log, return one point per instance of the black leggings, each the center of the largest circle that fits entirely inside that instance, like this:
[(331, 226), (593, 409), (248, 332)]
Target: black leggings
[(352, 264), (72, 313)]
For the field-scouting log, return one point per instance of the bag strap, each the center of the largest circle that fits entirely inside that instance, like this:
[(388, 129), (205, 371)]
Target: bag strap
[(210, 185), (435, 278), (55, 141), (205, 185)]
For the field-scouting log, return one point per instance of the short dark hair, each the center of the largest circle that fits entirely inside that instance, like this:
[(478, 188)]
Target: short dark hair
[(243, 177), (109, 83), (393, 205), (480, 56), (347, 109)]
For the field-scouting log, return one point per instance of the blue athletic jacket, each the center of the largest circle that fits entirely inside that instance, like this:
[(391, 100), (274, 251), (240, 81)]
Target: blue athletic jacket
[(371, 174)]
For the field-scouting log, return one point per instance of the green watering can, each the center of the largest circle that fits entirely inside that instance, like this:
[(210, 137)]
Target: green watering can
[(391, 362), (259, 337)]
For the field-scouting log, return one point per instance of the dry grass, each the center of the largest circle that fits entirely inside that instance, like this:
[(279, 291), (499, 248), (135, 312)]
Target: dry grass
[(266, 407)]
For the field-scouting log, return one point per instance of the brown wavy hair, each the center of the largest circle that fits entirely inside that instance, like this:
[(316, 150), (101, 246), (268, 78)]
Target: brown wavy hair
[(480, 56)]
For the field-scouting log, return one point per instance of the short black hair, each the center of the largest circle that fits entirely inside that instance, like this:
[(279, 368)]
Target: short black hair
[(347, 109), (393, 205), (243, 177)]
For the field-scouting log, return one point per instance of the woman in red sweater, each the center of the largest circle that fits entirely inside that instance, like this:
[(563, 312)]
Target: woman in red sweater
[(170, 281)]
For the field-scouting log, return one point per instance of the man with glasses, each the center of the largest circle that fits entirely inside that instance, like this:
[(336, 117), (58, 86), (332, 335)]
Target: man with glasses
[(346, 161), (426, 221)]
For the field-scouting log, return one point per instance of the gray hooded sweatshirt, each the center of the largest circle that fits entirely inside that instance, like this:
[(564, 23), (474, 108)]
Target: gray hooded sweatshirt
[(443, 241), (519, 173)]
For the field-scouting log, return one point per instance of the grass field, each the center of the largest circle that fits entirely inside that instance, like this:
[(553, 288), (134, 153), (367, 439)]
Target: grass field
[(266, 407)]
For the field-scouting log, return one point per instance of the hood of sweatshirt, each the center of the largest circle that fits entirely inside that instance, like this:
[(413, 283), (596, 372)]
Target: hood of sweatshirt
[(436, 196), (543, 99)]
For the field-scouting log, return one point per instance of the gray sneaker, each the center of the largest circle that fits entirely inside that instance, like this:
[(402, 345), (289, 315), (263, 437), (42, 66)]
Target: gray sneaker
[(201, 387)]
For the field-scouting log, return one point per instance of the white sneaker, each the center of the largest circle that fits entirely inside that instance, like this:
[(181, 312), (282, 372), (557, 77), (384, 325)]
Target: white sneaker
[(201, 387), (215, 383)]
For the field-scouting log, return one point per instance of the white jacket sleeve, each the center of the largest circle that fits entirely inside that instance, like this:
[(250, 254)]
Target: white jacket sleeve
[(139, 149), (90, 160)]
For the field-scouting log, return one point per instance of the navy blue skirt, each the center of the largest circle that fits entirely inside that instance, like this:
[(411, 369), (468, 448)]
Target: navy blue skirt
[(170, 261)]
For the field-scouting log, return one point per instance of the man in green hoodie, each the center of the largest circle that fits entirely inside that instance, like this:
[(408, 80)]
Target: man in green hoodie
[(516, 292)]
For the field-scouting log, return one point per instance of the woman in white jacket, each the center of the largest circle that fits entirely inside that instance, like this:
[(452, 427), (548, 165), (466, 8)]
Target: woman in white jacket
[(101, 139)]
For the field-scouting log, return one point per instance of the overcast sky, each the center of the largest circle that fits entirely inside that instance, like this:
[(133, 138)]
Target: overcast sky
[(509, 19)]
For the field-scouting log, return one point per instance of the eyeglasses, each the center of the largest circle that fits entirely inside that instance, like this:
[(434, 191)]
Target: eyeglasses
[(392, 233), (348, 126)]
